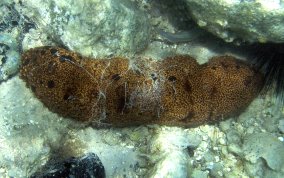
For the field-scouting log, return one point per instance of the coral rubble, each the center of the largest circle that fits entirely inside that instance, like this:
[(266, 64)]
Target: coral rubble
[(122, 92)]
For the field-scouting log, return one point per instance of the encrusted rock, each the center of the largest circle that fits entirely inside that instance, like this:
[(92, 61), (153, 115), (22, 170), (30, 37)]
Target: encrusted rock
[(266, 146), (9, 56), (92, 27), (253, 21)]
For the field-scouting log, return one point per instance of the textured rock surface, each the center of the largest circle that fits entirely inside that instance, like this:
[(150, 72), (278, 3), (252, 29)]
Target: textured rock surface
[(9, 56), (174, 144), (9, 50), (176, 91), (13, 26), (266, 146), (97, 25), (253, 21)]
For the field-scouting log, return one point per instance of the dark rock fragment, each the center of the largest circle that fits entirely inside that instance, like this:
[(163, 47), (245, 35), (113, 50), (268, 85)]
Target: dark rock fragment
[(86, 166)]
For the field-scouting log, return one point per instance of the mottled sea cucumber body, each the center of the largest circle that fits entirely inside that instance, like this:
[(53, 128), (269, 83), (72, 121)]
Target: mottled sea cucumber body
[(121, 92)]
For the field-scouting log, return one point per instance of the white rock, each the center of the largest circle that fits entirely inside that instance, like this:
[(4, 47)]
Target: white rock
[(199, 174), (175, 164), (266, 146), (253, 21), (24, 147)]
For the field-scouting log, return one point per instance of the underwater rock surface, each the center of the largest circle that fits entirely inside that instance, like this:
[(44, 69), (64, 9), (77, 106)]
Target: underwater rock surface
[(13, 26), (266, 146), (175, 91), (92, 27), (252, 21), (9, 56)]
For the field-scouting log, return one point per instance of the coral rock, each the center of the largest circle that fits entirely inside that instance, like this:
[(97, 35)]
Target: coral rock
[(122, 92)]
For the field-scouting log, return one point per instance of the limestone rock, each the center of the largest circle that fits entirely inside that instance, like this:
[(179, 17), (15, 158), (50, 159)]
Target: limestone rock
[(252, 21), (266, 146), (92, 27), (9, 56)]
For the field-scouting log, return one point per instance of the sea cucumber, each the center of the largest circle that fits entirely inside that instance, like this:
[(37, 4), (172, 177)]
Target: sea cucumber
[(122, 92)]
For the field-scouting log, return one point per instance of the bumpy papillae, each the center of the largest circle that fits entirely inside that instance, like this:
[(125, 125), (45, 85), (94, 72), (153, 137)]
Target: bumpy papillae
[(122, 92)]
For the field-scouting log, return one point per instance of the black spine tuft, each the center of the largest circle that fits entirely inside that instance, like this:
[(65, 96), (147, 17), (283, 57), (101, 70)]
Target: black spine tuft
[(269, 59)]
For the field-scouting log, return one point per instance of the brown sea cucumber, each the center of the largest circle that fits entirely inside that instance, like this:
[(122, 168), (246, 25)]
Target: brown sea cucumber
[(121, 92)]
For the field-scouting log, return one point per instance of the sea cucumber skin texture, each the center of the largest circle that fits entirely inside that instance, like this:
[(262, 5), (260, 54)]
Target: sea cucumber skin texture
[(121, 92)]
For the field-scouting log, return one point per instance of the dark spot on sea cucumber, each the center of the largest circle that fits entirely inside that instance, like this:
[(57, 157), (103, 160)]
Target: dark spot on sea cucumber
[(67, 96), (80, 56), (247, 81), (213, 92), (172, 78), (33, 88), (224, 65), (189, 116), (53, 51), (188, 87), (51, 67), (50, 84), (191, 101), (115, 77), (26, 61), (64, 58), (121, 104), (137, 72), (94, 93), (210, 115)]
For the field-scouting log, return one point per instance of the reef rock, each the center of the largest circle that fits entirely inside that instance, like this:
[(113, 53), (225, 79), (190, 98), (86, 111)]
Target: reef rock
[(91, 27), (9, 56), (266, 146), (253, 21), (121, 92)]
